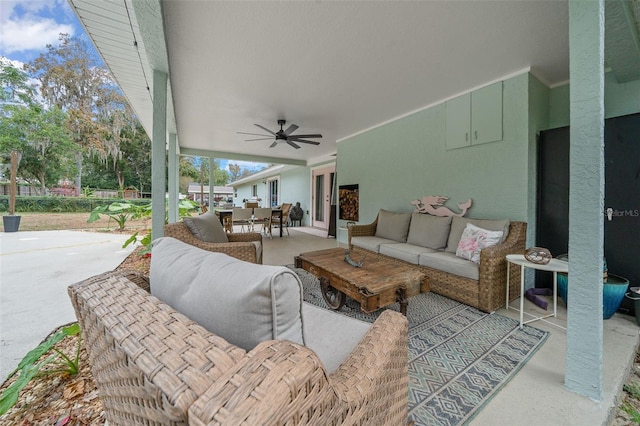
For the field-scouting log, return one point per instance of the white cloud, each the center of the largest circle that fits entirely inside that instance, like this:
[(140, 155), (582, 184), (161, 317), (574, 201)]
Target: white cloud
[(23, 26)]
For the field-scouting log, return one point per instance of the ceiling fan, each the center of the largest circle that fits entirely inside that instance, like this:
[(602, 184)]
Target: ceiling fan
[(283, 136)]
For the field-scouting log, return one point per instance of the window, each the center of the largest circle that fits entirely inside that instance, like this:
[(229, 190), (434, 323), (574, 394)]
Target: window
[(254, 190)]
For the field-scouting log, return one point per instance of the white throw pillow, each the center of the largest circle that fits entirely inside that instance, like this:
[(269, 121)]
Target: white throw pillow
[(474, 239), (458, 224), (241, 302), (207, 227)]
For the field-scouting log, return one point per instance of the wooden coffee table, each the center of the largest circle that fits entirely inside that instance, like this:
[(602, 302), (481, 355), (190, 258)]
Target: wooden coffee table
[(380, 282)]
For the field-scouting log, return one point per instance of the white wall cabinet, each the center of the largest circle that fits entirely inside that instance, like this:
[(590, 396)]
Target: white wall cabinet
[(475, 118)]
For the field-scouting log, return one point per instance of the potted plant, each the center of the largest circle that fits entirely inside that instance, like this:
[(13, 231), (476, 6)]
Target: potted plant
[(613, 290), (11, 222)]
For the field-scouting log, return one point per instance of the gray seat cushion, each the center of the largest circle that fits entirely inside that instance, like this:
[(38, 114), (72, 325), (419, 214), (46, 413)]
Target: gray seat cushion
[(370, 243), (429, 231), (393, 225), (206, 227), (459, 223), (242, 302), (332, 336), (449, 262), (405, 251)]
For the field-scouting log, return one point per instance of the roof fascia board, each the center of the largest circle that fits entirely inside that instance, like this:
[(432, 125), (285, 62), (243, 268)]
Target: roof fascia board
[(240, 157)]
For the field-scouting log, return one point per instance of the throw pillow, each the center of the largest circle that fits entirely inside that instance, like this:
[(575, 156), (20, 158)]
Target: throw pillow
[(393, 225), (458, 225), (475, 239), (241, 302), (429, 231), (207, 227)]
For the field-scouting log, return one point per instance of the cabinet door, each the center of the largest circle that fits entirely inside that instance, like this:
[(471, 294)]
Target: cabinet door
[(458, 121), (486, 114)]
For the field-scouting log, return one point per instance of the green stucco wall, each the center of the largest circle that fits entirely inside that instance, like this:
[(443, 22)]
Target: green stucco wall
[(296, 186), (619, 99), (407, 159)]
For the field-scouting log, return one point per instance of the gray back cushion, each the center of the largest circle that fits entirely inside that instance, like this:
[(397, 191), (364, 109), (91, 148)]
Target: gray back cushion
[(242, 302), (429, 231), (459, 223), (206, 227), (393, 225)]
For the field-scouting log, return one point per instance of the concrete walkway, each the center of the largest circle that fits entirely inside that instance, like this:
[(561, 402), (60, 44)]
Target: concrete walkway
[(35, 270)]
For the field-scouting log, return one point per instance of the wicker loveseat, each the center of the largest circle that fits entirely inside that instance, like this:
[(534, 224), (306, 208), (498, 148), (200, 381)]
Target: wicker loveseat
[(154, 366), (481, 285)]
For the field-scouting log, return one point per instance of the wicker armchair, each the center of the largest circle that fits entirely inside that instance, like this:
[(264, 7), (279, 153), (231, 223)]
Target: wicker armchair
[(241, 246), (154, 366)]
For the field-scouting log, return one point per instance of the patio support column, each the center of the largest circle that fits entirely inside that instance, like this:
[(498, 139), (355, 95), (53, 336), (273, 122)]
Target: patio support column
[(212, 180), (158, 154), (173, 178), (584, 359)]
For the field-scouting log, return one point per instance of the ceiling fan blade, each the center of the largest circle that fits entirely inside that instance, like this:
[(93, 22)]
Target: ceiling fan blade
[(293, 144), (303, 141), (261, 139), (273, 144), (290, 129), (253, 134), (265, 129), (308, 136)]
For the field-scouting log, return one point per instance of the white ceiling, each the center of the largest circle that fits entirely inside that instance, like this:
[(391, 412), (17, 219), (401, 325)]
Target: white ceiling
[(335, 68)]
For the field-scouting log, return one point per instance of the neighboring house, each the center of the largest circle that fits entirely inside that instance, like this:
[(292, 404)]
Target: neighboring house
[(221, 194)]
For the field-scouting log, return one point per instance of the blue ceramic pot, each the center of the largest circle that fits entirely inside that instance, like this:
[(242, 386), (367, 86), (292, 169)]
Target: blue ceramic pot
[(612, 293)]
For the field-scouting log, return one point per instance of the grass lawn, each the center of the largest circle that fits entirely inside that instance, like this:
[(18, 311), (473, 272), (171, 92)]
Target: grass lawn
[(75, 221)]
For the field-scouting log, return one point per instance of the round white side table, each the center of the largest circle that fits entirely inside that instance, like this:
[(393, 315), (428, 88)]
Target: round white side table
[(554, 265)]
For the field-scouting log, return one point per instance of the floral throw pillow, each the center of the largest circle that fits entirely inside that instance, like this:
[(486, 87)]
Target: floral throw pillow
[(475, 239)]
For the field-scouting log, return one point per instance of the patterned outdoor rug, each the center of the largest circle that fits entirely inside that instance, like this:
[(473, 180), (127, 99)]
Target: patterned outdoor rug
[(459, 357)]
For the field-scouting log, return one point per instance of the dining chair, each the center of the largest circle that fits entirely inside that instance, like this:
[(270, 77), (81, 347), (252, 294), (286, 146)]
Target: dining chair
[(262, 216), (242, 217), (275, 220)]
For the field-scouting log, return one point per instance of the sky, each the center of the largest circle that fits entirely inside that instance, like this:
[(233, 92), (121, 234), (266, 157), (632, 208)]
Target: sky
[(27, 26)]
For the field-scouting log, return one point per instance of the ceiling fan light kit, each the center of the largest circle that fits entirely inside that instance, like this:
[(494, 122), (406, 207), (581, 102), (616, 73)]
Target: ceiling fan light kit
[(283, 136)]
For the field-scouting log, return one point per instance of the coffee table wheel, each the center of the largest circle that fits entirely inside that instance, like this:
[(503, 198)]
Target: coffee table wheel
[(333, 297)]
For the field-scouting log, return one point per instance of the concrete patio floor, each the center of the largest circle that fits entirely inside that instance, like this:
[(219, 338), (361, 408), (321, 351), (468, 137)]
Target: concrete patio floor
[(37, 267)]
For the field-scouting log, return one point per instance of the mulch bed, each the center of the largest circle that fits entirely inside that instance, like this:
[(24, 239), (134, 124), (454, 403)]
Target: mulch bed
[(62, 399)]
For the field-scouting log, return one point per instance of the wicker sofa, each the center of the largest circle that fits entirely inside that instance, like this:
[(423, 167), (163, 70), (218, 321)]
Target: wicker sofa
[(481, 285), (153, 365)]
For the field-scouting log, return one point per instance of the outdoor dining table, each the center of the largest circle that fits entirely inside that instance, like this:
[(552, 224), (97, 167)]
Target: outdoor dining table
[(223, 214)]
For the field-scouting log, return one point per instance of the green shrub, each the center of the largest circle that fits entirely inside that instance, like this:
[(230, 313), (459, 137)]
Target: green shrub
[(27, 204)]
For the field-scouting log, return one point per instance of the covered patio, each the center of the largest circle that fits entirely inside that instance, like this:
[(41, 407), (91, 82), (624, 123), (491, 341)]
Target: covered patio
[(516, 403), (375, 80)]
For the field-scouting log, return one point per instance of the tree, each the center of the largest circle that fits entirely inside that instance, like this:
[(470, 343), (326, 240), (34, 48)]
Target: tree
[(134, 166), (74, 80), (15, 87), (235, 172), (189, 168), (221, 177), (37, 134), (41, 138)]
